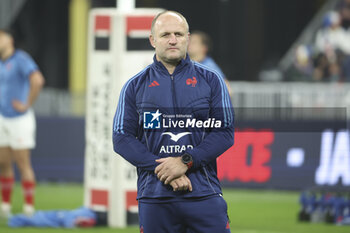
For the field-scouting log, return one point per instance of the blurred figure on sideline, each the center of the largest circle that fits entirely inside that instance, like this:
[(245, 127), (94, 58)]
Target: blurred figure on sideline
[(198, 49), (20, 84)]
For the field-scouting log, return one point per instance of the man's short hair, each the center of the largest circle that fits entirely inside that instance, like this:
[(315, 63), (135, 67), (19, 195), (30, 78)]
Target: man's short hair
[(7, 31), (167, 11), (205, 39)]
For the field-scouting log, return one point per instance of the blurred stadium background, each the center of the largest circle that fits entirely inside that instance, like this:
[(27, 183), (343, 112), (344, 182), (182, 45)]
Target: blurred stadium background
[(289, 88)]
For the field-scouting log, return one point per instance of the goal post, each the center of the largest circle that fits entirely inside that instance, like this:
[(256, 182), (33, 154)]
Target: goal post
[(118, 48)]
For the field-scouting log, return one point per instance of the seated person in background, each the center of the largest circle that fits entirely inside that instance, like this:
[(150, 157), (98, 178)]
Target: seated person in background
[(198, 49), (332, 36), (302, 68), (333, 46), (325, 71), (344, 11)]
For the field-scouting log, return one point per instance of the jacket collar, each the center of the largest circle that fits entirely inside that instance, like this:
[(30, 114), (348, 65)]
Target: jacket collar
[(183, 63)]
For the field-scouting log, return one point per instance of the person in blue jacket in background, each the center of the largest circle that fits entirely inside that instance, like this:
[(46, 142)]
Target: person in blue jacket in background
[(173, 120), (199, 48)]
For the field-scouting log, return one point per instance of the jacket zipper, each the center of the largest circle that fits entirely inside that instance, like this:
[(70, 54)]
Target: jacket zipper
[(173, 94)]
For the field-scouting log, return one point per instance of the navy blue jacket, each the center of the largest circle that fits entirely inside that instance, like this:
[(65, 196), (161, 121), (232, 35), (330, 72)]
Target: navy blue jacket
[(192, 90)]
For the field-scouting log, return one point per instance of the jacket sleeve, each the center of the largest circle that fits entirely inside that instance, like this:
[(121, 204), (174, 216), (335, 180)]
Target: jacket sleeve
[(125, 128), (217, 140)]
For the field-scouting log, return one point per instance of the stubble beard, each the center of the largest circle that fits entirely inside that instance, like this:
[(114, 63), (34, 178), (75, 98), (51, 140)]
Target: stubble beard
[(173, 60)]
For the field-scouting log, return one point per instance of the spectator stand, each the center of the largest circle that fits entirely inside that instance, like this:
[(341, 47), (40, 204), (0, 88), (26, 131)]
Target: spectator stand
[(321, 53)]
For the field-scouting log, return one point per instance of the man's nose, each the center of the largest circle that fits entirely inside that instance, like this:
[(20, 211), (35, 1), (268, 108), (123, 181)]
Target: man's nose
[(172, 39)]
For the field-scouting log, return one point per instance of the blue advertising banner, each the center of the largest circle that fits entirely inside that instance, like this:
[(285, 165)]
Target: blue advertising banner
[(294, 156), (266, 154), (59, 154)]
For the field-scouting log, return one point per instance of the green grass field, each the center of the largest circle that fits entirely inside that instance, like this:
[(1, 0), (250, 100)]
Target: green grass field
[(250, 211)]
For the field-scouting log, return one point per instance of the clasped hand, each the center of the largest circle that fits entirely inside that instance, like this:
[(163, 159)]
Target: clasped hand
[(171, 170)]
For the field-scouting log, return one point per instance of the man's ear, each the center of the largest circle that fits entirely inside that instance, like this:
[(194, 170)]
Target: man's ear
[(151, 40)]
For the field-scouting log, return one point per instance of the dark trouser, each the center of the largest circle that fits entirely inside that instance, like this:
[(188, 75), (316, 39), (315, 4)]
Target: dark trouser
[(205, 215)]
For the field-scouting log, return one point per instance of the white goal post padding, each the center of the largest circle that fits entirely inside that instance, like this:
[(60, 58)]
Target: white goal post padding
[(118, 48)]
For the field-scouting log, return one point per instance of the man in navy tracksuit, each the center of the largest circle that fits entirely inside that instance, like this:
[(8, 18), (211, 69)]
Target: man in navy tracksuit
[(173, 120)]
